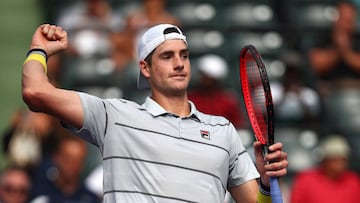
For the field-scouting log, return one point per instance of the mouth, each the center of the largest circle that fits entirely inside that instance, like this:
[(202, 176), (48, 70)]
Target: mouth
[(178, 76)]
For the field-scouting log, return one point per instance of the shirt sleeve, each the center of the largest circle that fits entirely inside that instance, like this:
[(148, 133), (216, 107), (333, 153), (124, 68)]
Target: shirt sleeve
[(242, 168), (95, 120)]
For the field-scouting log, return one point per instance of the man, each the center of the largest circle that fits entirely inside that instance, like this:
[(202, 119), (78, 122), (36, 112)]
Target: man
[(65, 185), (210, 96), (15, 185), (334, 57), (332, 180), (161, 151)]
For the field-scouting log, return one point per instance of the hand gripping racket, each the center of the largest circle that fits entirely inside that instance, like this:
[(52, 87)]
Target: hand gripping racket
[(259, 106)]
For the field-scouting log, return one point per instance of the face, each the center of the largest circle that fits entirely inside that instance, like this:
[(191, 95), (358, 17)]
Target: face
[(70, 159), (97, 8), (335, 166), (170, 71), (14, 187), (208, 82), (347, 18)]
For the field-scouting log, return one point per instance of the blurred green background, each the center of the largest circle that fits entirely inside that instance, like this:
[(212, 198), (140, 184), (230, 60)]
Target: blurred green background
[(18, 20)]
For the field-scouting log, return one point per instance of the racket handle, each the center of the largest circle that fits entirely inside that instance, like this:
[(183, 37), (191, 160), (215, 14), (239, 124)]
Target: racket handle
[(275, 192)]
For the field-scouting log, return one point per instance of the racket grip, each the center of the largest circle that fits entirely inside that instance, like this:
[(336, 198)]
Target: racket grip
[(275, 192)]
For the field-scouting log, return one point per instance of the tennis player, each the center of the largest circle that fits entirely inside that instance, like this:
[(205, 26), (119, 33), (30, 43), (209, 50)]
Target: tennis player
[(164, 150)]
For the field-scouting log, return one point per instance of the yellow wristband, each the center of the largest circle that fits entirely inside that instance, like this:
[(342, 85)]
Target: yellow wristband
[(261, 198), (37, 57)]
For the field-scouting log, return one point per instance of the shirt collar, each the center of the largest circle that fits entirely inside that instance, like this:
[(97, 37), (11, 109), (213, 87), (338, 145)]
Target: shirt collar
[(155, 109)]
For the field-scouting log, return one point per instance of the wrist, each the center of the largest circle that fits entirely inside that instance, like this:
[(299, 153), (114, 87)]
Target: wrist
[(264, 189), (264, 193), (38, 55), (37, 47), (38, 51)]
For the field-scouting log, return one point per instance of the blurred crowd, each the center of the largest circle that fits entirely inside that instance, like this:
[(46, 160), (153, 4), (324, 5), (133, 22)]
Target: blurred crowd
[(45, 163)]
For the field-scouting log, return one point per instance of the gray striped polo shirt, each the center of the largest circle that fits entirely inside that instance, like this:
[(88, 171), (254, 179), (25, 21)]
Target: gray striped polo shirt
[(151, 155)]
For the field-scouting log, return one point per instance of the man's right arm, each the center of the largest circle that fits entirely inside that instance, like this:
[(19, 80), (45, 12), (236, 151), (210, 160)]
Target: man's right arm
[(38, 93)]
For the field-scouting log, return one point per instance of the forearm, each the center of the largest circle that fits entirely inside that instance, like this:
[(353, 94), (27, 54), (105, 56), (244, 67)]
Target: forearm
[(245, 193), (37, 91), (251, 193), (344, 44), (322, 61), (351, 58), (35, 81)]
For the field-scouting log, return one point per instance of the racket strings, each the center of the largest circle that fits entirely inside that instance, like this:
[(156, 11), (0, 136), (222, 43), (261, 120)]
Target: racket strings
[(257, 95)]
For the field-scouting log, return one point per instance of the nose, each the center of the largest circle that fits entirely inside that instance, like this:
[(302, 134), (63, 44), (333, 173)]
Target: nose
[(178, 63)]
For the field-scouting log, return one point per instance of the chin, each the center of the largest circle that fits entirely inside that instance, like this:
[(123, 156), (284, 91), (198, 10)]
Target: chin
[(179, 90)]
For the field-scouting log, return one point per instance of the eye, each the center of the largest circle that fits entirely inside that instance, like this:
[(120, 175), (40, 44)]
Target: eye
[(185, 55), (167, 56)]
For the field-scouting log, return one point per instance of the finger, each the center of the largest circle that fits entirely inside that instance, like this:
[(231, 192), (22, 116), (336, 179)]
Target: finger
[(276, 146), (45, 28), (278, 173), (63, 35), (257, 146), (276, 166), (275, 156), (51, 32), (58, 33), (258, 150)]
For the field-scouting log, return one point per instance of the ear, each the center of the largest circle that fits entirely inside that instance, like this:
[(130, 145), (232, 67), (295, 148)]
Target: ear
[(144, 68)]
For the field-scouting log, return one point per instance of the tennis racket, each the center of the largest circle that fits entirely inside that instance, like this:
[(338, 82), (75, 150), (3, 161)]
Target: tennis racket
[(259, 106)]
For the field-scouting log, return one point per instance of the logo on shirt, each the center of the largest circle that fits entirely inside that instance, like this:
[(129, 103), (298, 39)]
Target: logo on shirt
[(205, 134)]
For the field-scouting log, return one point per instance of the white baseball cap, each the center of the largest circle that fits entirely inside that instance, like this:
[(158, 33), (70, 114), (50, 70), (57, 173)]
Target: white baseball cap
[(334, 146), (151, 39)]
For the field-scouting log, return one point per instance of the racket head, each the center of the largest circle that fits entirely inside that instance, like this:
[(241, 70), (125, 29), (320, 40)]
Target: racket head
[(257, 96)]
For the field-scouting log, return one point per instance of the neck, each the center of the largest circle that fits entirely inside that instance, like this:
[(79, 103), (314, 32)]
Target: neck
[(176, 104), (67, 186), (332, 174)]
